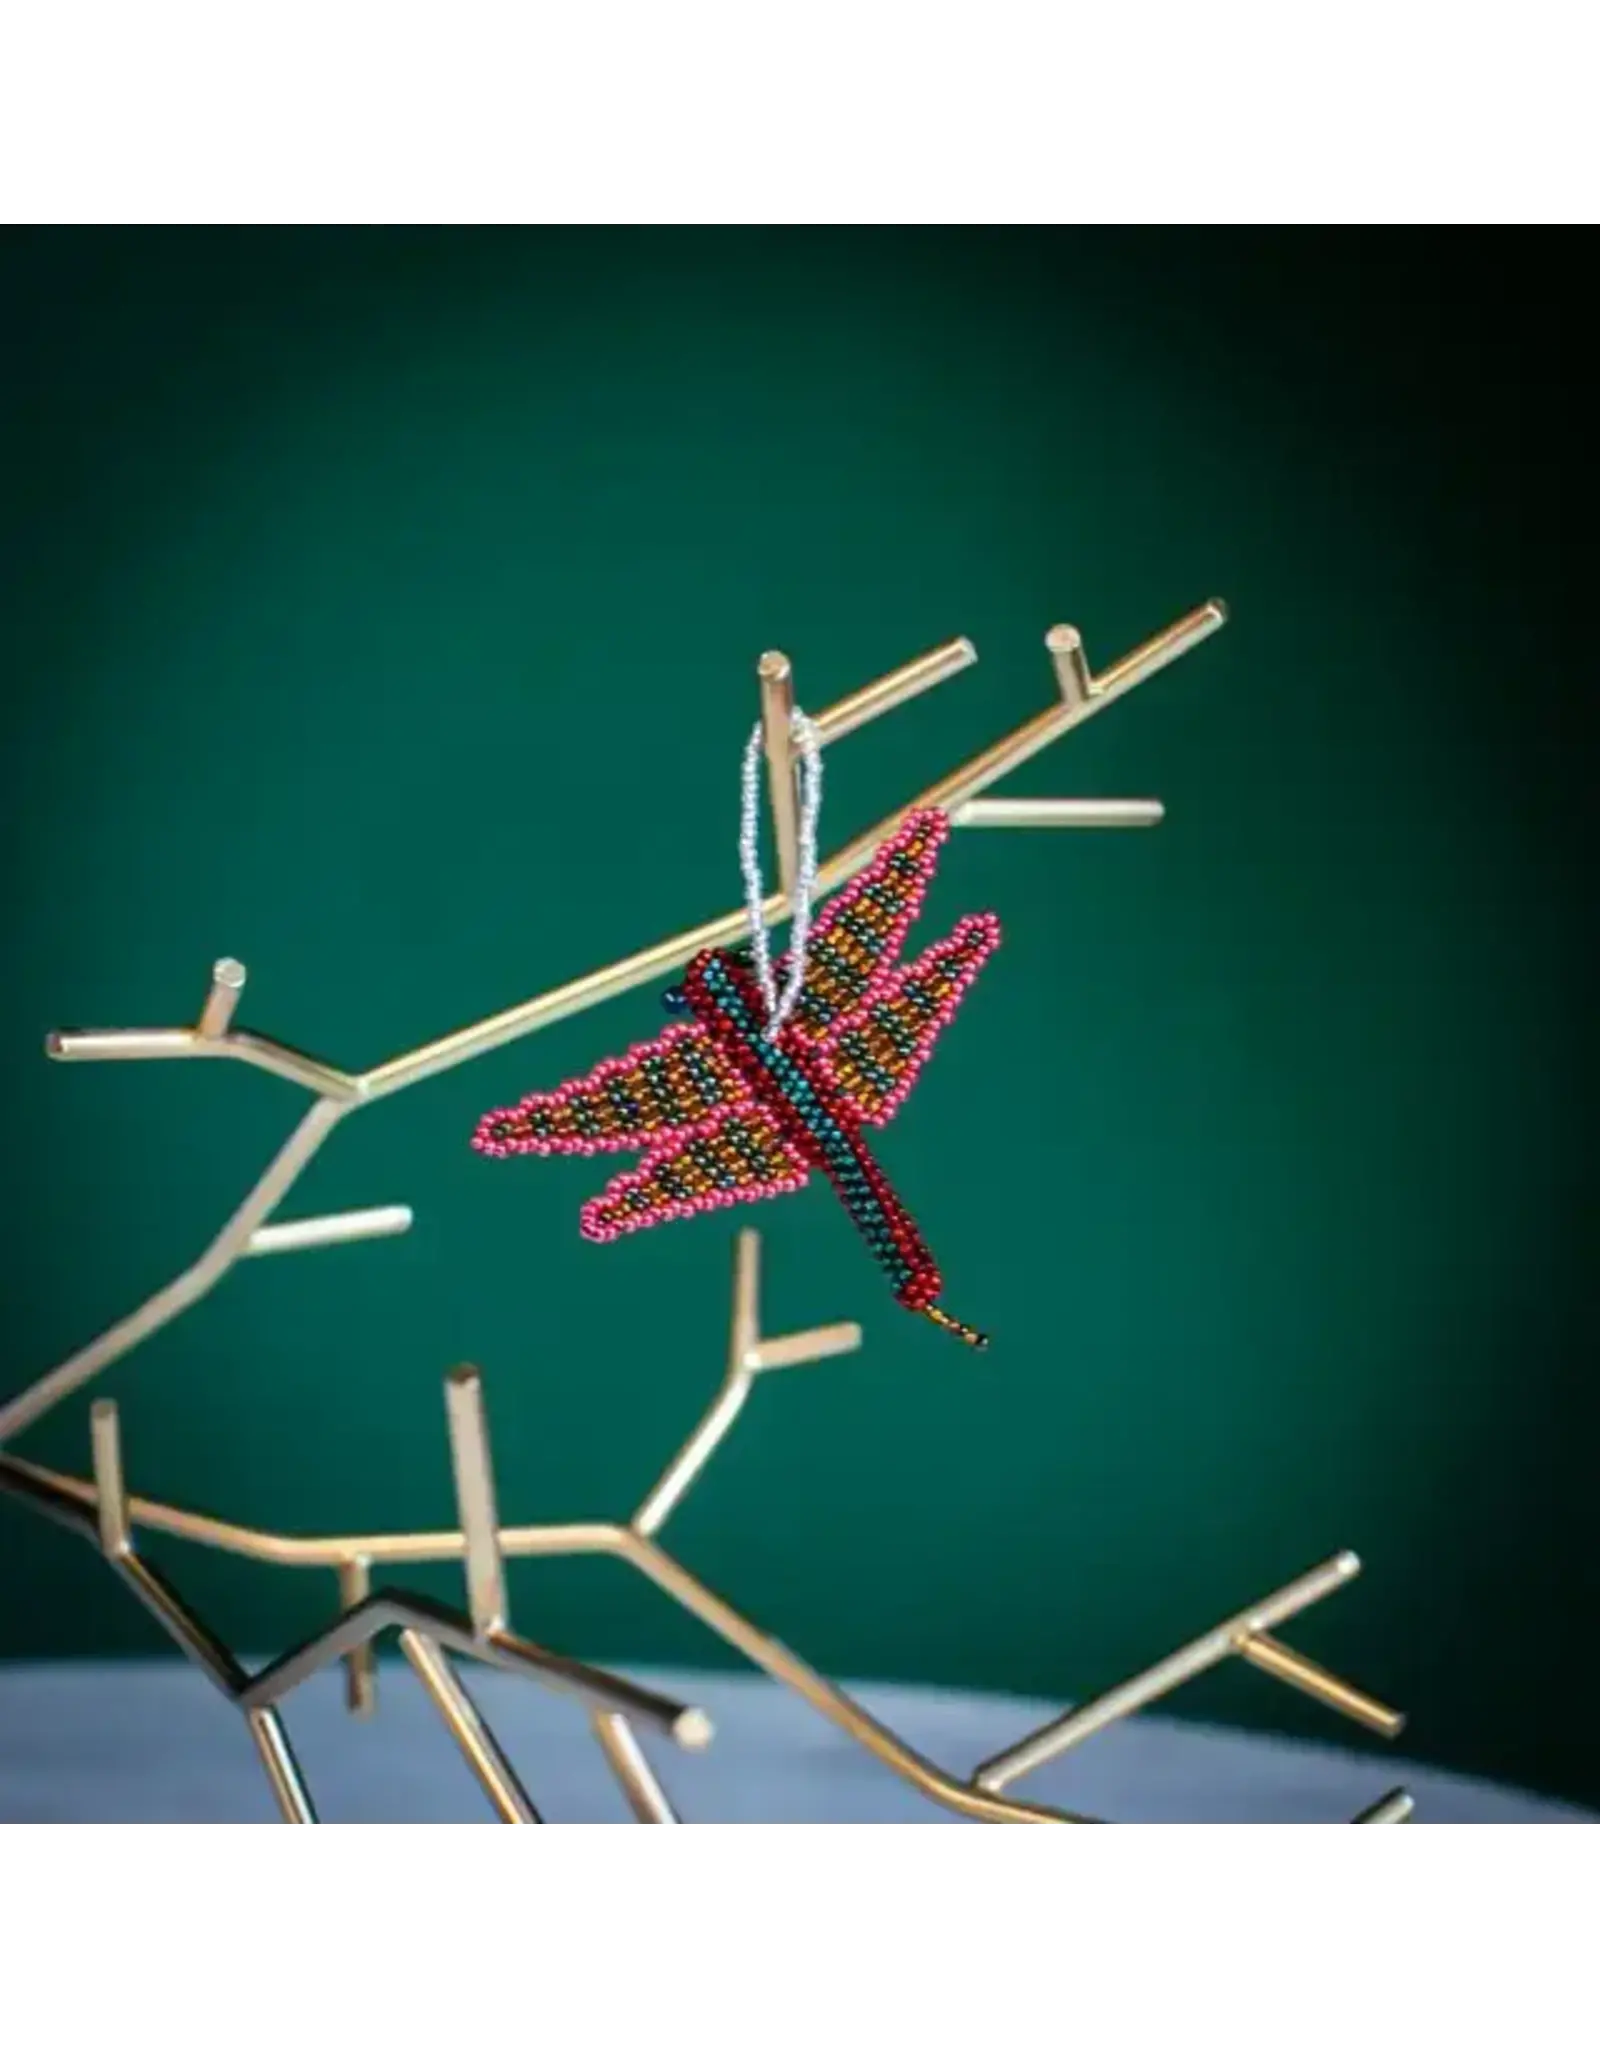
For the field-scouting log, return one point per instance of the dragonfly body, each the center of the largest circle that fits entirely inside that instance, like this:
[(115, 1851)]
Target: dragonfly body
[(724, 1112), (819, 1120)]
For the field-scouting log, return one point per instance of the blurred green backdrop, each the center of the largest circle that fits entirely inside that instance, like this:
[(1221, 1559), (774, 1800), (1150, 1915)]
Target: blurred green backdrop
[(382, 608)]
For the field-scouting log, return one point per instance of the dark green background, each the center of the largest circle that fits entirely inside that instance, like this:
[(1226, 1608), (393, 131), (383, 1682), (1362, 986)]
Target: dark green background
[(382, 608)]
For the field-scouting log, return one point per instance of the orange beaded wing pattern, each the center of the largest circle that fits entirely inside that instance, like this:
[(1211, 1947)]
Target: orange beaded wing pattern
[(707, 1141), (857, 937), (874, 1056), (654, 1090), (740, 1155)]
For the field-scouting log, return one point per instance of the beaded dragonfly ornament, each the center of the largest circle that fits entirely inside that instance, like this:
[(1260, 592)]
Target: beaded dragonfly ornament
[(752, 1091)]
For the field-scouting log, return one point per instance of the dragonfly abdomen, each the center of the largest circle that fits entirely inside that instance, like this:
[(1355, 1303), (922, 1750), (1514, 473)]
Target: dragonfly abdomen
[(883, 1220)]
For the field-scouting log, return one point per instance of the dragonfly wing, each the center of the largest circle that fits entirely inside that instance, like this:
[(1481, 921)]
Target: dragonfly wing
[(671, 1084), (736, 1155), (875, 1055), (857, 937)]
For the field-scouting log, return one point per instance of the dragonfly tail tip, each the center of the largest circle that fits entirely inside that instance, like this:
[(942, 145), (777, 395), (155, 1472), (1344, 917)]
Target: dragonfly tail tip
[(964, 1331)]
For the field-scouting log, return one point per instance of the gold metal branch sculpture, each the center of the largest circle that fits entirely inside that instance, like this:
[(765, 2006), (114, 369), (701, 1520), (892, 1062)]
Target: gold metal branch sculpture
[(481, 1545), (99, 1507), (104, 1513)]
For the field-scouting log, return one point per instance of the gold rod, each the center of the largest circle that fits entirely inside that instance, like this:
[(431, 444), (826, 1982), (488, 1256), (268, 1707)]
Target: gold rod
[(1279, 1661), (782, 1664), (1394, 1806), (37, 1483), (744, 1321), (777, 717), (1056, 811), (308, 1233), (576, 996), (181, 1622), (1033, 737), (805, 1347), (360, 1665), (227, 980), (137, 1042), (105, 1437), (475, 1501), (111, 1526), (166, 1043), (170, 1301), (475, 1739), (604, 1691), (744, 1337), (1071, 665), (691, 1460), (130, 1042), (1177, 1669), (278, 1761), (640, 1785), (889, 692), (504, 1028)]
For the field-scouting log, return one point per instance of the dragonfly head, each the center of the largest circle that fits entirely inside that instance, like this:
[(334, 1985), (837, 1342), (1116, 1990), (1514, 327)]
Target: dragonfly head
[(675, 1000)]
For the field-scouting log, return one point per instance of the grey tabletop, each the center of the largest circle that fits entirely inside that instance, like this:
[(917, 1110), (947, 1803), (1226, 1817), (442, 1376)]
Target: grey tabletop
[(150, 1741)]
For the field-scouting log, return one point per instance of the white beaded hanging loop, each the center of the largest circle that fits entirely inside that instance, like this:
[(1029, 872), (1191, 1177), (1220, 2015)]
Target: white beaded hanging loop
[(809, 741)]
